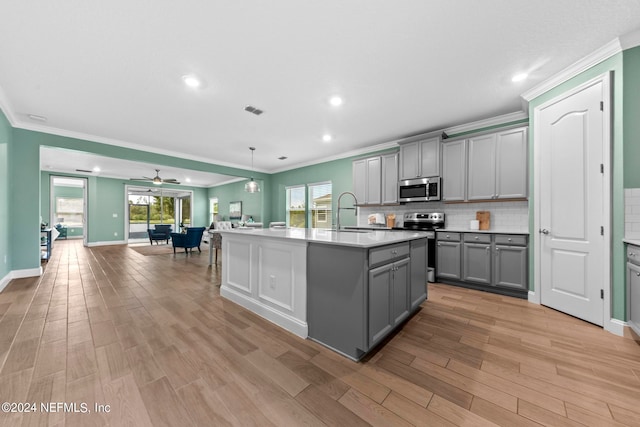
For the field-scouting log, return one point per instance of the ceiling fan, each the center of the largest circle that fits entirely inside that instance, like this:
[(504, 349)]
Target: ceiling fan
[(157, 180)]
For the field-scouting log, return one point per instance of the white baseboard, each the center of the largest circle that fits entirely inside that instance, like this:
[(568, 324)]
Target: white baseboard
[(5, 281), (533, 298), (289, 323), (615, 326), (19, 274), (109, 243)]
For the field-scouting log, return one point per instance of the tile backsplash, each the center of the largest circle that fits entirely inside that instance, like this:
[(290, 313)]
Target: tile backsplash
[(632, 213), (507, 216)]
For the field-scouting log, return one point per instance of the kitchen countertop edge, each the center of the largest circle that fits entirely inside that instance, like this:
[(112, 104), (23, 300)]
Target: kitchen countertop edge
[(369, 239), (492, 231)]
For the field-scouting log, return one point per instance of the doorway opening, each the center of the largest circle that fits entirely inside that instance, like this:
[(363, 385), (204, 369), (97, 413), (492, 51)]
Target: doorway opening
[(148, 207), (68, 207)]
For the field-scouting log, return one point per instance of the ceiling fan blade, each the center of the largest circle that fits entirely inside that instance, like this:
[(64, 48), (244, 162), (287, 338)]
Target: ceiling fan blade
[(171, 181), (141, 179)]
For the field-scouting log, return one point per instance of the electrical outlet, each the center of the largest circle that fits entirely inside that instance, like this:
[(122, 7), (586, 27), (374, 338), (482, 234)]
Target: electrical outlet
[(272, 282)]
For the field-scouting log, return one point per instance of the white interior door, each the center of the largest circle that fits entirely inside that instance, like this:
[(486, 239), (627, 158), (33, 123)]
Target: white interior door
[(573, 201)]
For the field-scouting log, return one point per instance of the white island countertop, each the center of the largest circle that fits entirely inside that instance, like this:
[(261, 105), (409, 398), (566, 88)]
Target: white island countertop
[(356, 238)]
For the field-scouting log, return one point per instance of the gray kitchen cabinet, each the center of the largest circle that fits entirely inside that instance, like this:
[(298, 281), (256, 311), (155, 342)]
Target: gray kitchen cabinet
[(511, 164), (510, 262), (359, 171), (492, 166), (481, 177), (492, 262), (388, 298), (420, 159), (375, 179), (633, 287), (356, 296), (476, 258), (448, 256), (454, 170), (389, 178), (418, 281)]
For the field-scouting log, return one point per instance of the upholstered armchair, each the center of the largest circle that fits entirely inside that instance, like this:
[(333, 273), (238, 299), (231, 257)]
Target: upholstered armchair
[(189, 240), (160, 232), (217, 237)]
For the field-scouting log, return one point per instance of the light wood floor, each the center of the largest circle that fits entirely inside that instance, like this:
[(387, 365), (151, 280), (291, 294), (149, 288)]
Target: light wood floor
[(151, 337)]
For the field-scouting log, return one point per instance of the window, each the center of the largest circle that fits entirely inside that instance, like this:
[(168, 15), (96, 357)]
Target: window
[(69, 211), (213, 209), (320, 200), (296, 208)]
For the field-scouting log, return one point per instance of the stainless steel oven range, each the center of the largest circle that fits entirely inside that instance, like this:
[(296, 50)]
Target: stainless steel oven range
[(429, 222)]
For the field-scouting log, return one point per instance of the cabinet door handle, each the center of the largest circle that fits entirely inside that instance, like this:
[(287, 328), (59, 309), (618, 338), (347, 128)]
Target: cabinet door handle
[(632, 254), (510, 239), (637, 274), (476, 237)]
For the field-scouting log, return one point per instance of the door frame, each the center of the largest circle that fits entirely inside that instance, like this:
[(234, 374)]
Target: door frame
[(85, 203), (534, 295)]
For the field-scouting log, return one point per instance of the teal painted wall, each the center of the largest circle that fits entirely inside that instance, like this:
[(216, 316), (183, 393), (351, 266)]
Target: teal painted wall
[(618, 151), (105, 196), (339, 172), (252, 203), (6, 135)]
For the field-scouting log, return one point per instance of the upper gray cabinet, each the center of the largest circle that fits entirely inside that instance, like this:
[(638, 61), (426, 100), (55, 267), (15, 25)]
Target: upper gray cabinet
[(498, 165), (511, 164), (454, 170), (375, 179), (420, 159), (495, 166)]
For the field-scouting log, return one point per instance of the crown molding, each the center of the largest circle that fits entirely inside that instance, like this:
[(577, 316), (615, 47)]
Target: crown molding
[(485, 123), (605, 52), (124, 144), (630, 40), (5, 106), (352, 153)]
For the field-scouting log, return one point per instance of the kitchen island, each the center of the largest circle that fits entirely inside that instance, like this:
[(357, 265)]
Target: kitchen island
[(346, 289)]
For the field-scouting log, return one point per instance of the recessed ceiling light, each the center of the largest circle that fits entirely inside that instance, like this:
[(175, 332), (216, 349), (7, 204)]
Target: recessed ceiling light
[(327, 138), (188, 179), (519, 77), (336, 101), (191, 81), (96, 169)]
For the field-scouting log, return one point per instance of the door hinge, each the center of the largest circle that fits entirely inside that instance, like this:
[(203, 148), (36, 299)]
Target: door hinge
[(601, 167), (601, 293), (601, 105), (602, 230)]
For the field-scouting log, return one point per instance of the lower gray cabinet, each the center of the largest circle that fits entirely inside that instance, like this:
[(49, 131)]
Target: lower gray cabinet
[(449, 255), (357, 296), (510, 267), (388, 298), (476, 258), (492, 262)]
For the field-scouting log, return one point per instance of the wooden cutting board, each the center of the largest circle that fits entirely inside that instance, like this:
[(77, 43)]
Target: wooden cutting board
[(485, 219)]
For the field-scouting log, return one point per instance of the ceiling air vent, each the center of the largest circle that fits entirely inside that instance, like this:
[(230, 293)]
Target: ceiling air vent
[(83, 170), (254, 110)]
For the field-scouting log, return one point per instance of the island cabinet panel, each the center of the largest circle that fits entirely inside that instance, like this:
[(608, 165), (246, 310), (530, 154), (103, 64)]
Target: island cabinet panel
[(418, 281), (337, 297), (357, 296), (268, 277)]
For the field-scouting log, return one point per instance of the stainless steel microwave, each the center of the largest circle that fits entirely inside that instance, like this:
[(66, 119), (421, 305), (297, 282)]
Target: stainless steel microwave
[(419, 190)]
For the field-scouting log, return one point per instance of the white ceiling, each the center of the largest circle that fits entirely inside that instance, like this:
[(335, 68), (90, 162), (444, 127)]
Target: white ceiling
[(112, 71)]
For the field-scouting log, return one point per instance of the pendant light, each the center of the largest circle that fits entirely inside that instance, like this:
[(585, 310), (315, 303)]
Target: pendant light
[(252, 186)]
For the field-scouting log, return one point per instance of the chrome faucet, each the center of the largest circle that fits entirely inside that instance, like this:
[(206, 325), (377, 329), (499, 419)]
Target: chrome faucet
[(355, 202)]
